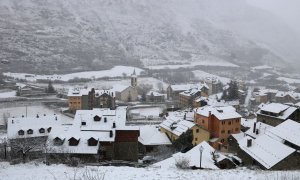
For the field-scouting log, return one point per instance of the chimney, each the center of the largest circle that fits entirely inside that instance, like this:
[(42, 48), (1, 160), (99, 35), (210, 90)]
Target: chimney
[(56, 118), (254, 127), (249, 142), (37, 116), (209, 113), (114, 125), (12, 121), (257, 131), (111, 133), (105, 119), (44, 114), (83, 123)]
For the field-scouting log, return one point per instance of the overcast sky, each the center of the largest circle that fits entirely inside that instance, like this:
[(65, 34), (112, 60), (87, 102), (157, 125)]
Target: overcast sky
[(288, 10)]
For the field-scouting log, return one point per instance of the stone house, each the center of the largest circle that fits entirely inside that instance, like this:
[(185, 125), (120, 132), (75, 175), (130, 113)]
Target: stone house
[(275, 113), (174, 128)]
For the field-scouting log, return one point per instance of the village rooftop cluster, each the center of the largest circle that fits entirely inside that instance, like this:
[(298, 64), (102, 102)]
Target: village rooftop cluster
[(201, 125)]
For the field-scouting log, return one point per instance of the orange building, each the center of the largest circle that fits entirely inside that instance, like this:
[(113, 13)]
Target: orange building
[(221, 122)]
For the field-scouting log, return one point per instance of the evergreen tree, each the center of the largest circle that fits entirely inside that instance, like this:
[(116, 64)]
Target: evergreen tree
[(50, 88), (152, 97), (233, 91), (1, 79), (143, 98), (224, 95)]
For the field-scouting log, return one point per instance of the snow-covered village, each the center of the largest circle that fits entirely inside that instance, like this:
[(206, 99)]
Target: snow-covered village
[(144, 89)]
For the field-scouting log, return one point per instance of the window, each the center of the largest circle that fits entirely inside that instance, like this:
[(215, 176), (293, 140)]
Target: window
[(197, 130), (21, 132), (236, 129), (73, 141), (237, 121), (92, 142), (223, 122), (196, 139), (229, 122), (223, 131), (42, 130), (202, 121), (58, 142), (229, 131), (97, 118), (29, 131)]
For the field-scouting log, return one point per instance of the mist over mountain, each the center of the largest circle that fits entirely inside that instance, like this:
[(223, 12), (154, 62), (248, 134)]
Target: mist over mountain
[(52, 36)]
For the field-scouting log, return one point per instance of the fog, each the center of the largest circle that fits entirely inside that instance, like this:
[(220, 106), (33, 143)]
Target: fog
[(287, 10)]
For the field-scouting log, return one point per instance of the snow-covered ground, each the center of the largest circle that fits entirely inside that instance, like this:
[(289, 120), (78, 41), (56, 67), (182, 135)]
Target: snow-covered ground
[(117, 71), (289, 80), (35, 171), (201, 75), (148, 111), (105, 84), (7, 94), (193, 64)]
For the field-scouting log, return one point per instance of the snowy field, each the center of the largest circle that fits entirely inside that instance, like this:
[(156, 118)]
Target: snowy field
[(37, 171), (201, 75), (105, 84), (149, 111), (7, 94), (289, 80), (193, 64), (117, 71)]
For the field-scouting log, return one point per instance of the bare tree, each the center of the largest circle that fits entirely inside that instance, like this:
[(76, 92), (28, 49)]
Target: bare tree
[(214, 155), (24, 146)]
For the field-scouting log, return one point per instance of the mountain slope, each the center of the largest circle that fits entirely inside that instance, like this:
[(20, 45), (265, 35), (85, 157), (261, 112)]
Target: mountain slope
[(68, 35)]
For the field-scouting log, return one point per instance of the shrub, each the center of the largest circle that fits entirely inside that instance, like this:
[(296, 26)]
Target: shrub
[(73, 162), (182, 163), (16, 161)]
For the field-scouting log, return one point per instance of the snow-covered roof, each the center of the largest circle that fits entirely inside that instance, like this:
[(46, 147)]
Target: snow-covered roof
[(288, 130), (261, 127), (275, 108), (180, 114), (283, 110), (238, 136), (248, 122), (78, 92), (14, 125), (119, 88), (108, 92), (176, 126), (99, 123), (150, 135), (294, 95), (155, 94), (185, 87), (266, 150), (191, 92), (222, 113), (193, 157)]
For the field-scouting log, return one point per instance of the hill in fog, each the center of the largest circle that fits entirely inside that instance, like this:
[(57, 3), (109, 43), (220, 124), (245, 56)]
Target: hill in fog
[(53, 35)]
